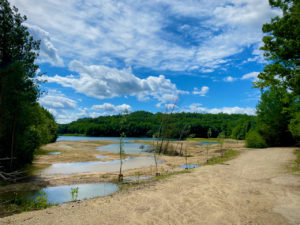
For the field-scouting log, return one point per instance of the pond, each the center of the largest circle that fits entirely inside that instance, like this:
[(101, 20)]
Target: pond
[(129, 148), (53, 153), (61, 194), (85, 138), (97, 166), (207, 143)]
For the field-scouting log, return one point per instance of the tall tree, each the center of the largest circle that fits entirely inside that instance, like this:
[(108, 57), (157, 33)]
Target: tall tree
[(281, 76), (23, 123)]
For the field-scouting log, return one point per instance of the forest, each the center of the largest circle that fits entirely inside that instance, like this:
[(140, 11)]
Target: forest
[(147, 124)]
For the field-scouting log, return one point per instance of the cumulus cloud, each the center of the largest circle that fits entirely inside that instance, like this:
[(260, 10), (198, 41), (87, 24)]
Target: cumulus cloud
[(137, 33), (104, 82), (201, 92), (250, 76), (196, 107), (56, 100), (48, 53), (108, 107), (229, 79)]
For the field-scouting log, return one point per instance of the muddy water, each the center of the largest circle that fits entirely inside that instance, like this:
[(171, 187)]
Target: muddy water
[(98, 166)]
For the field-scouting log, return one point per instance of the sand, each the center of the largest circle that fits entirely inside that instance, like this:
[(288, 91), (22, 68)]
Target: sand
[(254, 188)]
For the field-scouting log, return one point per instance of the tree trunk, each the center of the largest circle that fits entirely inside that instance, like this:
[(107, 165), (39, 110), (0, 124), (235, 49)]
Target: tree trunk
[(12, 144)]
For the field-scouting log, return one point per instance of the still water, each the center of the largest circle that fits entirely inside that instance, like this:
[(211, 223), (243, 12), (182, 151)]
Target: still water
[(61, 194), (85, 138), (129, 148)]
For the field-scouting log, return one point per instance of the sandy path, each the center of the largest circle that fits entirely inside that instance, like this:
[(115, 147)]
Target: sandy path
[(252, 189)]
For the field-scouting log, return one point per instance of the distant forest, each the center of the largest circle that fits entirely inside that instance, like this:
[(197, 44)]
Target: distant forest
[(146, 124)]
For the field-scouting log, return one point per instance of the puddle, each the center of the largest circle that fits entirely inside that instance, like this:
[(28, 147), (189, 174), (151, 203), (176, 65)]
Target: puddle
[(53, 153), (189, 166), (98, 166), (61, 194), (101, 157), (206, 143), (137, 178), (129, 148)]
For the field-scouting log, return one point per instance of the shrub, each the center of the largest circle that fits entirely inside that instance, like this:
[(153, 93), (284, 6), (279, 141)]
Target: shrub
[(255, 140)]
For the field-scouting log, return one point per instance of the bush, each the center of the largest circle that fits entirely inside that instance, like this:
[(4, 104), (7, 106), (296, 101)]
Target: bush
[(255, 140)]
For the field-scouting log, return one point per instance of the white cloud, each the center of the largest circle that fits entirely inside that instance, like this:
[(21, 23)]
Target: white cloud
[(48, 53), (250, 76), (196, 107), (104, 82), (137, 32), (56, 100), (201, 92), (107, 107), (229, 79)]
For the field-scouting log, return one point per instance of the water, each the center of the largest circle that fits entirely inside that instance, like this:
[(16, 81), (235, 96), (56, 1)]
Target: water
[(84, 138), (101, 157), (61, 194), (137, 178), (98, 166), (207, 143), (129, 148), (189, 166), (53, 153)]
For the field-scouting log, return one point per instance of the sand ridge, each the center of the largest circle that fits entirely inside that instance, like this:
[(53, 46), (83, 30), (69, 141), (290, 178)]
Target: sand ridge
[(251, 189)]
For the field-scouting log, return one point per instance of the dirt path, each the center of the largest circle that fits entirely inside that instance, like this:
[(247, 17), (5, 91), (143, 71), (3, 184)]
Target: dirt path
[(252, 189)]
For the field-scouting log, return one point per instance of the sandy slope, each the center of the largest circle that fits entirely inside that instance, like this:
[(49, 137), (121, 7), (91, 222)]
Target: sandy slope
[(252, 189)]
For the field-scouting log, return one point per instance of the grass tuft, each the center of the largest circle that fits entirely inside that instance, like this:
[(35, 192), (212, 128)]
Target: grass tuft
[(228, 155)]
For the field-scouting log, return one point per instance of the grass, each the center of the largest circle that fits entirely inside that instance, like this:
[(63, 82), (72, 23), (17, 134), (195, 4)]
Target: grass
[(296, 164), (203, 139), (18, 205), (228, 155)]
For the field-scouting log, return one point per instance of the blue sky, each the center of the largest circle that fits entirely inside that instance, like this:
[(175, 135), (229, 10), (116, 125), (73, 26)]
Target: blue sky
[(103, 57)]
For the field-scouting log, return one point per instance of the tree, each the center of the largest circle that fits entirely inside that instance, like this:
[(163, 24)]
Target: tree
[(24, 125), (280, 80), (282, 48)]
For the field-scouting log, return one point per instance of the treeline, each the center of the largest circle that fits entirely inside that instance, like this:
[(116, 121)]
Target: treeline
[(24, 124), (146, 124)]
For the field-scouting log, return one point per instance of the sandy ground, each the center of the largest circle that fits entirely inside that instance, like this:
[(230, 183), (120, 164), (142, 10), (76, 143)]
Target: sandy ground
[(254, 188)]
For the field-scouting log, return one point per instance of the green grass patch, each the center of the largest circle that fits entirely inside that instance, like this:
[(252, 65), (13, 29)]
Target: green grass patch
[(296, 164), (18, 205), (202, 139), (228, 155)]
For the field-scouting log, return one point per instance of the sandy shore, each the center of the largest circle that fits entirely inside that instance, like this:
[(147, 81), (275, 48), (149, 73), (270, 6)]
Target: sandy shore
[(254, 188)]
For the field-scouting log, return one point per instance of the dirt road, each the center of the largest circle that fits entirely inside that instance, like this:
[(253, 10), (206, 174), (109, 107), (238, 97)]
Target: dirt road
[(252, 189)]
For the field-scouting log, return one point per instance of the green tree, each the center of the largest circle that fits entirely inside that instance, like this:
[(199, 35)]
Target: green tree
[(281, 77), (24, 125), (282, 48)]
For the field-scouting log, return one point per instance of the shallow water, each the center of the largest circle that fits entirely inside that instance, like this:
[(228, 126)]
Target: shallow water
[(129, 148), (53, 153), (189, 166), (98, 166), (61, 194), (137, 178), (207, 143), (101, 157), (84, 138)]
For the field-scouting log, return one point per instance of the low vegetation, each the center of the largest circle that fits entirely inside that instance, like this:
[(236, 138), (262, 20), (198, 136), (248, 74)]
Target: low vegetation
[(227, 155)]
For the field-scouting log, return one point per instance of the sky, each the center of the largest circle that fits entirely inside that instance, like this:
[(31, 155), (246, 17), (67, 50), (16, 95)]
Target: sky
[(104, 57)]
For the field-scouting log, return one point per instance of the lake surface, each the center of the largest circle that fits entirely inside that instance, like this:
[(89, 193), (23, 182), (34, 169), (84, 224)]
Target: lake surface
[(189, 166), (53, 153), (61, 194), (84, 138), (129, 148), (98, 166), (207, 143)]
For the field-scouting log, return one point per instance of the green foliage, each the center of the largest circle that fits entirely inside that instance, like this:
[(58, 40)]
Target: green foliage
[(296, 166), (146, 124), (24, 125), (255, 140), (274, 117), (278, 110), (228, 155), (74, 193), (282, 48)]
